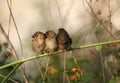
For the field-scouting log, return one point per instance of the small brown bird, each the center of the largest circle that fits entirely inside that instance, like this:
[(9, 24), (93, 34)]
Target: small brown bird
[(50, 41), (63, 39), (38, 42)]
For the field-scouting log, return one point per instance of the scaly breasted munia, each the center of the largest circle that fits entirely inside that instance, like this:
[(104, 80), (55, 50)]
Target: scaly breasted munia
[(38, 42), (50, 42), (63, 40)]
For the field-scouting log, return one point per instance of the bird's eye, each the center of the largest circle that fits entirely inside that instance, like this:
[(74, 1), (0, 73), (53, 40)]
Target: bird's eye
[(36, 35)]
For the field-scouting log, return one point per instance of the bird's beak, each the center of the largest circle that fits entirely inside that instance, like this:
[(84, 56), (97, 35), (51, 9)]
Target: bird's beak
[(32, 36)]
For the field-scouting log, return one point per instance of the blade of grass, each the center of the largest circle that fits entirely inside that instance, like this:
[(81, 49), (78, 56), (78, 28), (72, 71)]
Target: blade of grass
[(64, 72), (6, 78)]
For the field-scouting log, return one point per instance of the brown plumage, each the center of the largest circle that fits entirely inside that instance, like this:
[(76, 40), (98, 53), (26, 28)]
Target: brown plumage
[(38, 42), (63, 39), (50, 41)]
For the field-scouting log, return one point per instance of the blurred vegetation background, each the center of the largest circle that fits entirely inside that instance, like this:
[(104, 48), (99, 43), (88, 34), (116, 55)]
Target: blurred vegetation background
[(87, 22)]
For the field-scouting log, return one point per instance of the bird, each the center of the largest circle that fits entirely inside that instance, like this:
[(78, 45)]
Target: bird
[(38, 42), (64, 41), (50, 42)]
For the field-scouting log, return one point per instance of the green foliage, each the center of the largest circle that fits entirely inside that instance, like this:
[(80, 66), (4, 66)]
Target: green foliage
[(88, 76), (82, 62), (1, 78), (99, 48), (96, 29), (107, 64), (5, 44), (115, 80)]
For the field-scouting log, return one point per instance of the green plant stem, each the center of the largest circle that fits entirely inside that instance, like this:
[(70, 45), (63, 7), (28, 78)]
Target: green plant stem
[(96, 44), (6, 78), (28, 59), (46, 54)]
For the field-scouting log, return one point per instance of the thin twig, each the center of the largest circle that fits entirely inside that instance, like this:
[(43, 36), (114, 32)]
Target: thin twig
[(102, 64), (68, 80), (99, 19), (109, 17), (12, 16), (39, 65), (46, 68), (6, 37), (75, 61), (13, 51), (9, 26)]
